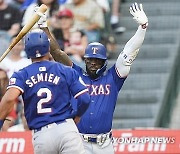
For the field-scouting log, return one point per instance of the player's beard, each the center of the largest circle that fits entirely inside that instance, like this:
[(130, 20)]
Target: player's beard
[(92, 73), (92, 65)]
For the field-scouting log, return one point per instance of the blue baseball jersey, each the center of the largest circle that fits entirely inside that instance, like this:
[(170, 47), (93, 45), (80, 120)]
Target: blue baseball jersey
[(103, 95), (47, 88)]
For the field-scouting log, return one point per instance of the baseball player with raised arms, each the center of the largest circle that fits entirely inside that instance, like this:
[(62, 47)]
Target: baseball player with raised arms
[(104, 85), (47, 87)]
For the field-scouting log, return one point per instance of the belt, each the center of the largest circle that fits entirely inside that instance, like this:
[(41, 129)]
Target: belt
[(99, 139), (47, 126)]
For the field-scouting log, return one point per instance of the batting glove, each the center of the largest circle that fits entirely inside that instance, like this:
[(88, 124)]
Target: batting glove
[(42, 23), (139, 15)]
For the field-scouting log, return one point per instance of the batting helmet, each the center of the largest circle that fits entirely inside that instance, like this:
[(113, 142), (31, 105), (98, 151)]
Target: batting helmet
[(36, 44), (95, 50)]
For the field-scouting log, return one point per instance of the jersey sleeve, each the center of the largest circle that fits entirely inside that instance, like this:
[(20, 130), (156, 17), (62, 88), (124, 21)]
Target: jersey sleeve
[(77, 68), (17, 81), (119, 81), (76, 84)]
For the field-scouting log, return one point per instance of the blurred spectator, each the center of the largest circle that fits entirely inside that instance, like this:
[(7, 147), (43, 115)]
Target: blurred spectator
[(63, 2), (5, 40), (11, 118), (27, 3), (53, 7), (77, 44), (104, 4), (111, 47), (61, 30), (21, 4), (114, 20), (78, 40), (14, 61), (88, 16), (20, 127), (71, 40), (107, 34), (17, 3), (10, 18), (3, 80)]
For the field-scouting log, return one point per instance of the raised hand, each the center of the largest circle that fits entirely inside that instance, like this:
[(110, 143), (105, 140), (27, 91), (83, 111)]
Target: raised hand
[(42, 23), (138, 14)]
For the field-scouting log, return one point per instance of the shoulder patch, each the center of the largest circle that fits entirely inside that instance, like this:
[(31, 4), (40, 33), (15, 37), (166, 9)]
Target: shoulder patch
[(12, 81)]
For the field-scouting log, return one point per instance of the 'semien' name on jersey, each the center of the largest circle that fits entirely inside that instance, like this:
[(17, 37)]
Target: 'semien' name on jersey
[(41, 78)]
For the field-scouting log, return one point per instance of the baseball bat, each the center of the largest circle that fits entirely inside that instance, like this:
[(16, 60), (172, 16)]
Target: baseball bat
[(25, 30)]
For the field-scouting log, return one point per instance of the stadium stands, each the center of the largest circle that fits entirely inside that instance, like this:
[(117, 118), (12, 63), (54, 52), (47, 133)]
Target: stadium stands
[(145, 95)]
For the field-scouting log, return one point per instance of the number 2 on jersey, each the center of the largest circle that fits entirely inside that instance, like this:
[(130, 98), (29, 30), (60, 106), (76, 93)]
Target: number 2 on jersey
[(42, 101)]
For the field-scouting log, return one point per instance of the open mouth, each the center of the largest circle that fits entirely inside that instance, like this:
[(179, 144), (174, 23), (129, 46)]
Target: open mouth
[(93, 69)]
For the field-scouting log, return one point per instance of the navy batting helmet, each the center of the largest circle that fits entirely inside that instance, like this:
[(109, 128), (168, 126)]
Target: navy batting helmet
[(95, 50), (36, 44)]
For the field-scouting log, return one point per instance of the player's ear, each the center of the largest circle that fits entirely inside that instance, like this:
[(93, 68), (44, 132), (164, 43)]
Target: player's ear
[(85, 60)]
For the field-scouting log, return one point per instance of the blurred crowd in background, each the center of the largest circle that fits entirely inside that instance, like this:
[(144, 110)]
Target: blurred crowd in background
[(74, 23)]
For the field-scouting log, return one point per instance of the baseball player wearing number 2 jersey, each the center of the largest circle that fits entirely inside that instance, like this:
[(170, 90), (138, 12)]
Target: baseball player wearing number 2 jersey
[(47, 88), (104, 85)]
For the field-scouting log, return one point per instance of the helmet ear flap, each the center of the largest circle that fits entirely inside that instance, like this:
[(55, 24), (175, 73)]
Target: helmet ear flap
[(100, 71)]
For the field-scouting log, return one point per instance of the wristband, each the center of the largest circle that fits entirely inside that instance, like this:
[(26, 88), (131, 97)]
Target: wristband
[(1, 123), (144, 26)]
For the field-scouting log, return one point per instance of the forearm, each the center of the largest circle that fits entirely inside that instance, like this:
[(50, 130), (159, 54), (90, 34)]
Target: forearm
[(93, 27), (7, 103), (131, 49), (62, 57), (135, 42), (14, 29), (6, 107), (56, 52)]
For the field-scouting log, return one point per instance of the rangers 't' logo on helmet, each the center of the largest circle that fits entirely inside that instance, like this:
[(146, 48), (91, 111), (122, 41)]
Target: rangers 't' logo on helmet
[(94, 50)]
